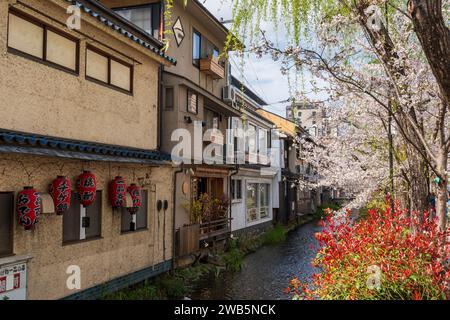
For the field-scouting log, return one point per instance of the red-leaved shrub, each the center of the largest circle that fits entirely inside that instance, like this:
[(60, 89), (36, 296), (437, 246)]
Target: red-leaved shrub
[(387, 255)]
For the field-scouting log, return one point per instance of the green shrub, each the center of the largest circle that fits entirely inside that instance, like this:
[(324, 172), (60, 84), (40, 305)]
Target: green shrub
[(275, 235), (233, 259), (172, 287)]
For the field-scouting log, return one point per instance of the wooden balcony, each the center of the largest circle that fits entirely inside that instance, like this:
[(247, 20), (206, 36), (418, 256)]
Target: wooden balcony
[(212, 68), (220, 228)]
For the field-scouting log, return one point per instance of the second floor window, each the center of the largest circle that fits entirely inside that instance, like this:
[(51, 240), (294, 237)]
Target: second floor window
[(146, 17), (36, 40), (196, 48), (102, 67)]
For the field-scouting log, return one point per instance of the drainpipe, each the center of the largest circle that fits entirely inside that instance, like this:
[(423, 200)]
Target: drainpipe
[(174, 214), (160, 107), (234, 172)]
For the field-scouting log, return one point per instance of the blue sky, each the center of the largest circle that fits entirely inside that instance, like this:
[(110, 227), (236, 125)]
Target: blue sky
[(263, 75)]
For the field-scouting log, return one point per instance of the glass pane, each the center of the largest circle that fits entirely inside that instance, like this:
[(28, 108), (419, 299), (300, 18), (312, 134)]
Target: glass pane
[(71, 220), (141, 17), (25, 36), (94, 213), (196, 43), (252, 139), (264, 200), (252, 202), (141, 216), (61, 50)]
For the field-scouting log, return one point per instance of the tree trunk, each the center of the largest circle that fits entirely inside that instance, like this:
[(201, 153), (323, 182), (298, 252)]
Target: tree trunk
[(441, 199), (434, 36)]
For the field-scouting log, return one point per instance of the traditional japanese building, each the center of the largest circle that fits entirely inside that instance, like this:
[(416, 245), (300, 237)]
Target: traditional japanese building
[(79, 101), (254, 187)]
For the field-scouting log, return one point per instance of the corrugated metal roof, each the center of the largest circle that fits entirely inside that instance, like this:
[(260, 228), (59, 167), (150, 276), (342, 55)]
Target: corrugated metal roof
[(118, 28), (39, 141)]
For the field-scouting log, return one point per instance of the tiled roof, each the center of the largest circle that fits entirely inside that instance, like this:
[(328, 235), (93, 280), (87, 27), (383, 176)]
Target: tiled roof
[(33, 140), (283, 124), (120, 29)]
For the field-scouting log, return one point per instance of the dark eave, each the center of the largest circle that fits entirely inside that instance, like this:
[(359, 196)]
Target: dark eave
[(114, 21), (18, 142)]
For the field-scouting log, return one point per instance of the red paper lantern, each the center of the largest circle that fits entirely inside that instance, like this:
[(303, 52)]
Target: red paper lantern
[(60, 190), (118, 192), (87, 188), (136, 196), (29, 207)]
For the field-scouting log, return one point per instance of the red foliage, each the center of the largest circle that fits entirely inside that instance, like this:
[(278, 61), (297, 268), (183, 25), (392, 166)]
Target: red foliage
[(408, 256)]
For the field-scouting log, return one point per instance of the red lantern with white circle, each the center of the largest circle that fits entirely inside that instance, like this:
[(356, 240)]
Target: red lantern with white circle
[(61, 190), (118, 192), (87, 188), (136, 196), (29, 207)]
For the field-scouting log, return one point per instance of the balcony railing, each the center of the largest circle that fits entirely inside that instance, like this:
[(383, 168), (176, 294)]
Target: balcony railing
[(212, 67), (215, 228)]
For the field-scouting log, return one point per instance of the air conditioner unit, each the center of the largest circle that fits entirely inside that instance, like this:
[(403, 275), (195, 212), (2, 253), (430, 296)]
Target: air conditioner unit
[(229, 94)]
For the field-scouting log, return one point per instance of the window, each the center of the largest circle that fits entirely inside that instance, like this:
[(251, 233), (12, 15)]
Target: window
[(81, 223), (252, 202), (211, 119), (264, 201), (106, 69), (251, 145), (236, 189), (6, 223), (216, 53), (146, 17), (196, 48), (192, 102), (168, 101), (136, 221), (262, 143), (41, 42), (258, 201)]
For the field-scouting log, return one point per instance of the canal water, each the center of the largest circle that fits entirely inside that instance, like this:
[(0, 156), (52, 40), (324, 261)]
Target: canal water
[(267, 272)]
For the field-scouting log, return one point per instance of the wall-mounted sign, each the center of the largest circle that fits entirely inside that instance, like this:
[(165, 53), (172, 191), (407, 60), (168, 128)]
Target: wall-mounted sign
[(178, 31), (13, 281), (192, 102)]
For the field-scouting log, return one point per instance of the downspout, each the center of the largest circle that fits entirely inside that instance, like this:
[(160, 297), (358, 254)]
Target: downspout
[(160, 107), (174, 231), (234, 172)]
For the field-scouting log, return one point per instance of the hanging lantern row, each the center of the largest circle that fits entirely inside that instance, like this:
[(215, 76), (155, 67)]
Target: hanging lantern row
[(29, 207), (29, 200)]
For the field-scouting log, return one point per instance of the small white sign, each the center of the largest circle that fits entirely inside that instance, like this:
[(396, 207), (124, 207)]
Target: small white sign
[(13, 281)]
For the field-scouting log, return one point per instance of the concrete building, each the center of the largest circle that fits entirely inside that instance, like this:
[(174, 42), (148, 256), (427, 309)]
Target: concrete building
[(294, 199), (74, 100), (310, 117), (254, 186)]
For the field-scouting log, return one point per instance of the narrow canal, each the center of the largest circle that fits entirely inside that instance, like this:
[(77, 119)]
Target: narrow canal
[(266, 272)]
